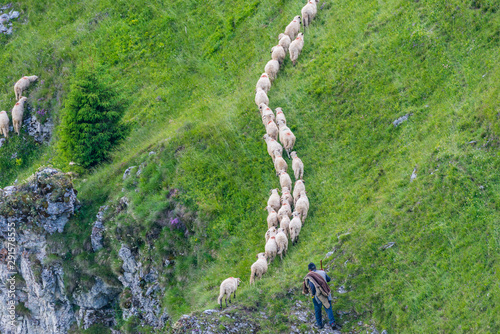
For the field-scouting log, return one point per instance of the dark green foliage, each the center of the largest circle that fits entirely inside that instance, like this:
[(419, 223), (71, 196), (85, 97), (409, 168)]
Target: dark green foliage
[(91, 119)]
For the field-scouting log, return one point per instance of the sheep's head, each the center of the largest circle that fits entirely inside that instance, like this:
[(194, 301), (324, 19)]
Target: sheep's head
[(295, 214), (300, 35), (23, 99), (285, 190), (238, 281), (261, 256), (280, 36), (297, 18), (293, 154), (262, 106), (33, 78)]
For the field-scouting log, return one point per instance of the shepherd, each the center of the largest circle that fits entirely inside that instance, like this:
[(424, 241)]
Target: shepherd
[(315, 283)]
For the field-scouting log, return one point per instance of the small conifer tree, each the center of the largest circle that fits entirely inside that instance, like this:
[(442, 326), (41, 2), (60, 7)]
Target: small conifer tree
[(91, 119)]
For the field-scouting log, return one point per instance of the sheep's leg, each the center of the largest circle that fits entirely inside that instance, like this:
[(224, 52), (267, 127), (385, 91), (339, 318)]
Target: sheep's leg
[(235, 295), (226, 301)]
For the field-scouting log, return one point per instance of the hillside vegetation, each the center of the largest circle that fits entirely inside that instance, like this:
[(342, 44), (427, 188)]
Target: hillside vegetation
[(189, 70)]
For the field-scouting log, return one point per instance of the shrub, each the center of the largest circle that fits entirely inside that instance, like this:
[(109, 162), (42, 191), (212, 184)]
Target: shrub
[(91, 119)]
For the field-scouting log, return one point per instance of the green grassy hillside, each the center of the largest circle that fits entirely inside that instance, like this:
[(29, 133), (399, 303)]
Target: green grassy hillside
[(189, 69)]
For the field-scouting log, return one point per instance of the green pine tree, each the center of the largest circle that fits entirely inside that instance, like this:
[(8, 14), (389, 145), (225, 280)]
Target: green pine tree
[(91, 119)]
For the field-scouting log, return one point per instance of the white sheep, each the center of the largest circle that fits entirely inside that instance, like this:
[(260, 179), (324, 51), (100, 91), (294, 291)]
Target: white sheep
[(279, 163), (266, 112), (293, 28), (227, 287), (271, 128), (287, 138), (278, 53), (17, 114), (285, 180), (282, 242), (272, 146), (272, 68), (296, 48), (271, 249), (264, 83), (261, 97), (284, 41), (285, 224), (272, 217), (274, 200), (295, 227), (308, 12), (297, 166), (4, 123), (285, 210), (271, 232), (286, 196), (299, 186), (258, 268), (280, 116), (23, 84), (302, 205)]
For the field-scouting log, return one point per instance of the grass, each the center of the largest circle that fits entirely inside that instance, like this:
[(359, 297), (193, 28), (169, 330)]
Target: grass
[(363, 66)]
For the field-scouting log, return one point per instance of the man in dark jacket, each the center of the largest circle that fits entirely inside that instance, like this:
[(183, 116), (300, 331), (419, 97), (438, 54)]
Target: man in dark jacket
[(315, 283)]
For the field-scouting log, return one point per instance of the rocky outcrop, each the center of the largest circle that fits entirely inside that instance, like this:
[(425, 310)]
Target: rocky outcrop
[(28, 214), (145, 293), (98, 229), (40, 132), (5, 17), (95, 305)]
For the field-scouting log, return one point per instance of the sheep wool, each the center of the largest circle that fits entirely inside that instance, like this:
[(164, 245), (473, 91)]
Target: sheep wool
[(285, 210), (23, 84), (295, 227), (278, 53), (274, 200), (285, 224), (299, 186), (286, 196), (4, 123), (284, 41), (258, 268), (297, 166), (309, 12), (296, 48), (272, 217), (280, 116), (287, 138), (282, 243), (266, 113), (264, 83), (272, 146), (302, 205), (261, 97), (271, 232), (272, 68), (17, 114), (279, 163), (271, 249), (285, 180), (271, 128), (227, 287), (293, 27)]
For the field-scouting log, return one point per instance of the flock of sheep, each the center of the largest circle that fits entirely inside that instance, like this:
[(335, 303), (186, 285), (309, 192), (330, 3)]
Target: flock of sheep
[(282, 222), (18, 110)]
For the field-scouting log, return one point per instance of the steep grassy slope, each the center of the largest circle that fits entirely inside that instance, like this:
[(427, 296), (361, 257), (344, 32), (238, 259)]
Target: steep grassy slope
[(363, 66)]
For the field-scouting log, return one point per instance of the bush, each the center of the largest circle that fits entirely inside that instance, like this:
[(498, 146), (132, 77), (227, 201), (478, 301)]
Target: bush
[(91, 119)]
